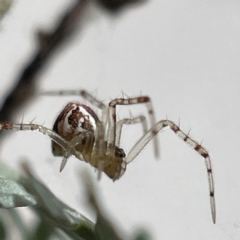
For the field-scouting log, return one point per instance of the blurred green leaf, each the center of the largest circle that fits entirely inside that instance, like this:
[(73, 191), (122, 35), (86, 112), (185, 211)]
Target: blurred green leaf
[(12, 194), (104, 228), (2, 231), (56, 213), (42, 232), (86, 232), (53, 213), (142, 235)]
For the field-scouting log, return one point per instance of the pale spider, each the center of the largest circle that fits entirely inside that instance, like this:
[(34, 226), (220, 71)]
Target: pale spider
[(78, 131)]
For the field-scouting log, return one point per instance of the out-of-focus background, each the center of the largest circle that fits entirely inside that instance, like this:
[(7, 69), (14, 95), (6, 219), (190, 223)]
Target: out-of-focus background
[(185, 56)]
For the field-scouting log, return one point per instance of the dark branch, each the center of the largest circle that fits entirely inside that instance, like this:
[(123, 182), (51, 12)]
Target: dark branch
[(25, 86), (116, 5)]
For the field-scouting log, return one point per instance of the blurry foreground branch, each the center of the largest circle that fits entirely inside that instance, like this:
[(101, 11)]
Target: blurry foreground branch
[(25, 87), (4, 7)]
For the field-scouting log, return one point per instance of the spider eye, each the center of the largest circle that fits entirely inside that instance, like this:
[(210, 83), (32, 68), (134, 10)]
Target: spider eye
[(119, 152)]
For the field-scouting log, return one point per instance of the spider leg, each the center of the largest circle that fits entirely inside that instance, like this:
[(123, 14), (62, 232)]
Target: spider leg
[(141, 119), (71, 147), (196, 146), (112, 119), (50, 133), (31, 127), (81, 93), (99, 147)]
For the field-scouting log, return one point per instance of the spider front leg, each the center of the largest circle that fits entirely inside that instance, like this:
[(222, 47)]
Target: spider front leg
[(63, 143), (141, 119), (196, 146), (81, 93), (71, 147), (112, 119), (84, 94)]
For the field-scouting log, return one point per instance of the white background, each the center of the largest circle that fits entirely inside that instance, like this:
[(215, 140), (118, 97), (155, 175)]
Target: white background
[(185, 55)]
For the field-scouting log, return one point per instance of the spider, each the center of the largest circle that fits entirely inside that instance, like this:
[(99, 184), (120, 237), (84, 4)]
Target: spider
[(78, 131)]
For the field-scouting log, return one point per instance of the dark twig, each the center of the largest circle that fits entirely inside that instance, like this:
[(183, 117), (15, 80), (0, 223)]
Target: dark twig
[(25, 86), (116, 5)]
